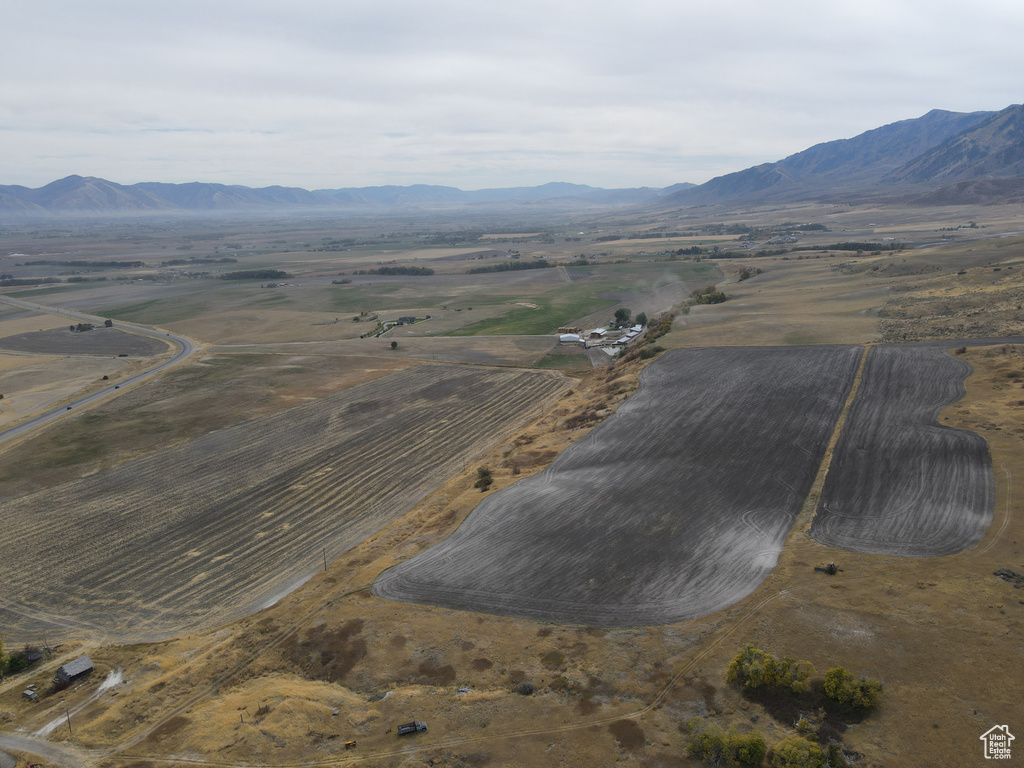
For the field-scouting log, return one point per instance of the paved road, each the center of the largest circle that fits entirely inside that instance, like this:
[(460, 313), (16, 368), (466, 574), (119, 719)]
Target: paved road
[(185, 345)]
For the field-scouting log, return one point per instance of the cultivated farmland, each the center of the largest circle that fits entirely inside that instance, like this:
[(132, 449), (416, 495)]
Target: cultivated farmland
[(100, 341), (899, 483), (212, 529), (673, 508)]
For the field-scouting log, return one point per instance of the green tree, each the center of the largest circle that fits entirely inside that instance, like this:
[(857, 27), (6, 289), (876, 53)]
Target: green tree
[(756, 669), (797, 752), (715, 746), (483, 479), (622, 316), (394, 345), (641, 318), (841, 686)]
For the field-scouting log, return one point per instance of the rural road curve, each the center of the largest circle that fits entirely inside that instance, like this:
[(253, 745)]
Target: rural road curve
[(186, 350)]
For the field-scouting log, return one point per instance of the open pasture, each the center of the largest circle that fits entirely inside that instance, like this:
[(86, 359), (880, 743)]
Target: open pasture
[(31, 384), (675, 507), (900, 483), (209, 530)]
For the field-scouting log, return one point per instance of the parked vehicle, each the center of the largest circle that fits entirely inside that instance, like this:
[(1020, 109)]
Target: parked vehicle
[(407, 728)]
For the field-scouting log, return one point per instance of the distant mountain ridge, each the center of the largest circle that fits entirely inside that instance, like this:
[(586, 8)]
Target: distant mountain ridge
[(880, 158), (941, 157), (91, 195)]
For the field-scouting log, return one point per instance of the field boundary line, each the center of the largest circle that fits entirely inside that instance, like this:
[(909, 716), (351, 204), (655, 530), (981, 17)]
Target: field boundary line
[(1007, 514), (810, 505)]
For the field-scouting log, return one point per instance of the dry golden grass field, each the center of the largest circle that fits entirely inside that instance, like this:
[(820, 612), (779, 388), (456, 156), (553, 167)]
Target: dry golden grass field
[(330, 662)]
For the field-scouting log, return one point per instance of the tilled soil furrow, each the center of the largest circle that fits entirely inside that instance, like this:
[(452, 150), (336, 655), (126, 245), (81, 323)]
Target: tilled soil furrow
[(205, 531), (675, 507), (899, 483)]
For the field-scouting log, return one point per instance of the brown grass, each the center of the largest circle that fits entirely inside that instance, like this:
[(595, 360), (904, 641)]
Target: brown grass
[(941, 632)]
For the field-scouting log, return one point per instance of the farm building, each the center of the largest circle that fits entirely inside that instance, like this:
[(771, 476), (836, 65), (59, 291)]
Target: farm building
[(569, 338), (74, 670), (630, 336), (406, 320)]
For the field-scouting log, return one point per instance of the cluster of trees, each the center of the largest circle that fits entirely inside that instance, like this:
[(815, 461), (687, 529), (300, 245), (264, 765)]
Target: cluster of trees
[(7, 281), (15, 662), (709, 295), (853, 245), (710, 743), (843, 687), (93, 264), (758, 671), (255, 274), (753, 668), (413, 271), (195, 261), (510, 266), (748, 272)]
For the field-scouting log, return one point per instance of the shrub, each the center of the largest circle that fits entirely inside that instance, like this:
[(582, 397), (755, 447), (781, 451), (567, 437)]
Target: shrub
[(483, 479), (717, 747), (841, 686), (755, 669), (709, 295), (797, 752)]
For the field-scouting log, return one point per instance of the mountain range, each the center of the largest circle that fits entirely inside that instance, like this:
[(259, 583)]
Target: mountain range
[(939, 158), (91, 195)]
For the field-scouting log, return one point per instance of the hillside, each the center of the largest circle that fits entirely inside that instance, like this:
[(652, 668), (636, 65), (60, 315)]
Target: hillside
[(991, 149), (845, 164)]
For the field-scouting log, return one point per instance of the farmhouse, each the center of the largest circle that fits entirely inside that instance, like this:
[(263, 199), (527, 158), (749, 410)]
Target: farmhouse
[(73, 670), (406, 320)]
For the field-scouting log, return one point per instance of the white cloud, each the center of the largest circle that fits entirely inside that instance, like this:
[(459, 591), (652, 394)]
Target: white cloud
[(327, 94)]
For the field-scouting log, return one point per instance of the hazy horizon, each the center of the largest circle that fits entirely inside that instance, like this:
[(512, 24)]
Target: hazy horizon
[(320, 95)]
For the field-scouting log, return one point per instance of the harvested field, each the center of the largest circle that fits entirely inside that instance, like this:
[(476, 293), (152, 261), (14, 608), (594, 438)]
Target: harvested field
[(209, 530), (490, 350), (900, 483), (99, 341), (675, 507), (31, 384)]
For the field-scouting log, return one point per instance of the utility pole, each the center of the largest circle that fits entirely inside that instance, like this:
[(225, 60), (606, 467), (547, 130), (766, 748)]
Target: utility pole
[(68, 713), (325, 558)]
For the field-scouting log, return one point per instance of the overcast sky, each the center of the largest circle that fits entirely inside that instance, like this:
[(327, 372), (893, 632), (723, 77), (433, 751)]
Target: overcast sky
[(337, 93)]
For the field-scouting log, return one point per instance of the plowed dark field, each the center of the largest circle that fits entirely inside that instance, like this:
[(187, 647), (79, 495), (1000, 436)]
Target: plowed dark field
[(899, 482), (99, 341), (676, 506), (206, 531)]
